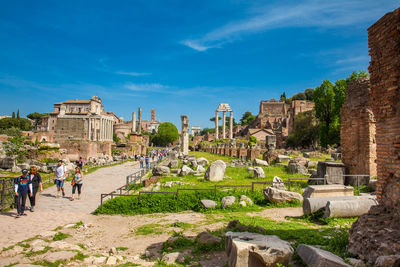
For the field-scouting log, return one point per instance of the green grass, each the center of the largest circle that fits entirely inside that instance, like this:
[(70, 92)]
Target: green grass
[(182, 225), (78, 224), (149, 229), (31, 253), (332, 239), (60, 236), (210, 157), (187, 200), (122, 248)]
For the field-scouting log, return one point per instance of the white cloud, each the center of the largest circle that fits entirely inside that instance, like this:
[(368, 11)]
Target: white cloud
[(147, 87), (133, 73), (312, 13)]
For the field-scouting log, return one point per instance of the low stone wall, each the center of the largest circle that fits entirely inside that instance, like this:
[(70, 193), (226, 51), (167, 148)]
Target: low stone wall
[(233, 151)]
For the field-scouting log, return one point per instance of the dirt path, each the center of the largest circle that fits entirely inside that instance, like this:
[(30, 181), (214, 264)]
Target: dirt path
[(51, 212)]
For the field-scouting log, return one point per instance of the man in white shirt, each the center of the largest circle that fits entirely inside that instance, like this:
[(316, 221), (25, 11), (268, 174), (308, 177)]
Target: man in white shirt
[(60, 173)]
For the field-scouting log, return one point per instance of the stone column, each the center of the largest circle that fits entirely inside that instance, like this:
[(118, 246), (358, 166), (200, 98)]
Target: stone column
[(140, 121), (231, 125), (185, 135), (88, 129), (223, 125), (216, 125), (133, 122)]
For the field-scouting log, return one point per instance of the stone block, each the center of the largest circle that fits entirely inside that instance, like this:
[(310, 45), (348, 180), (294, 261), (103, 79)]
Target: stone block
[(328, 191), (315, 257)]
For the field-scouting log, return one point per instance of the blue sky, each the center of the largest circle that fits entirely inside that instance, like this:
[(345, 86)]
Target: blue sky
[(179, 57)]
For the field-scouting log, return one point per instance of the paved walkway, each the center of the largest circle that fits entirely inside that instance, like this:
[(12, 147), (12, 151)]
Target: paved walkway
[(52, 212)]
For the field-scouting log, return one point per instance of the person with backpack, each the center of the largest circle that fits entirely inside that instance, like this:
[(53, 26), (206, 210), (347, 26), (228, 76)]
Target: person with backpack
[(80, 163), (36, 181), (23, 185), (60, 173)]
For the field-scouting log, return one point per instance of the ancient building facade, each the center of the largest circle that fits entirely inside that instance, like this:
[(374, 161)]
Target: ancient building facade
[(277, 118), (358, 129), (375, 236)]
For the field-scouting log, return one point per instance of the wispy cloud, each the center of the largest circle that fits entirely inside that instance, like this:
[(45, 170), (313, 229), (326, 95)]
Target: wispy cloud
[(148, 87), (313, 13), (353, 60), (133, 73)]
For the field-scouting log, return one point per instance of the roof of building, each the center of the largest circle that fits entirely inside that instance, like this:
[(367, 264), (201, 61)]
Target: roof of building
[(76, 101), (253, 131)]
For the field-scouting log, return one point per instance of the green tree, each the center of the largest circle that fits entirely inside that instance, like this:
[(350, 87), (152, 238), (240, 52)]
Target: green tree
[(309, 94), (324, 99), (21, 123), (247, 118), (283, 97), (213, 119), (13, 115), (305, 131), (299, 96), (18, 117), (167, 134), (37, 117), (252, 141)]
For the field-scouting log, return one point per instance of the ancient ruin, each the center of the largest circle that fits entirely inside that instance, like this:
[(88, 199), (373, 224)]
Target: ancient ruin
[(223, 107), (184, 140), (358, 129), (376, 235), (82, 127), (275, 118)]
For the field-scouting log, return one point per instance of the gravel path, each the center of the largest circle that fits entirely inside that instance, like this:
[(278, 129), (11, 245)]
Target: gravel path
[(52, 212)]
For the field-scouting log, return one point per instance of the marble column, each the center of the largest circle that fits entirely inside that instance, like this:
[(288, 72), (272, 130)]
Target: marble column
[(223, 125), (231, 125), (89, 129), (140, 121), (216, 125), (134, 122)]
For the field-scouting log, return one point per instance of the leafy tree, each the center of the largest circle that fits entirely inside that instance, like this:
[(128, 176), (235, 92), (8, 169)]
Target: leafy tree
[(213, 119), (252, 141), (37, 117), (324, 99), (18, 114), (21, 123), (13, 115), (207, 130), (309, 94), (247, 118), (305, 131), (283, 97), (15, 144), (116, 139), (299, 96), (167, 134)]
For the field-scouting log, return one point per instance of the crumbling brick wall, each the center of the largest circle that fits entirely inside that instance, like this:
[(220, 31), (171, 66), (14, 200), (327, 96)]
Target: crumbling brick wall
[(358, 129), (377, 233), (384, 43)]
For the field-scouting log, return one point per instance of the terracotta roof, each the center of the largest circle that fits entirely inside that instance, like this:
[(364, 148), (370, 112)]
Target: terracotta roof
[(76, 101)]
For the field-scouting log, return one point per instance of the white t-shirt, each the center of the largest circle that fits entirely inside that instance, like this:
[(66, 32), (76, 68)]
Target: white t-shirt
[(60, 170)]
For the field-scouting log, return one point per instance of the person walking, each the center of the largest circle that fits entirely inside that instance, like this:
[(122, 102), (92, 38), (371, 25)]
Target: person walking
[(141, 161), (80, 163), (22, 185), (36, 181), (77, 183), (147, 161), (59, 174)]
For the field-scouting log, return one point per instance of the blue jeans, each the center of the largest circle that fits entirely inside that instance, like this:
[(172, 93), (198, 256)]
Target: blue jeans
[(21, 200), (60, 183)]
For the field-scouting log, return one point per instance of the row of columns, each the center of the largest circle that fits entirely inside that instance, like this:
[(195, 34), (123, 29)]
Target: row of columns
[(100, 129), (224, 125)]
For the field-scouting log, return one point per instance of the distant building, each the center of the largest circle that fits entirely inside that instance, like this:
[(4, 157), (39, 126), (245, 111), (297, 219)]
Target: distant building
[(196, 130), (151, 126)]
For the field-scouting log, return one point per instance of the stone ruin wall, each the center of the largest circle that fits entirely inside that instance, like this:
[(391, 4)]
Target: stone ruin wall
[(376, 235), (358, 129)]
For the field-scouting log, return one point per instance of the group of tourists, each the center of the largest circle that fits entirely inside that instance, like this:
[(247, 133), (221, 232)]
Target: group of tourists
[(156, 155), (28, 184)]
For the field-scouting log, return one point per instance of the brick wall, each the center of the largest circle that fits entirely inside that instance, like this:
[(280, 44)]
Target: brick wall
[(358, 129), (384, 44), (377, 233)]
